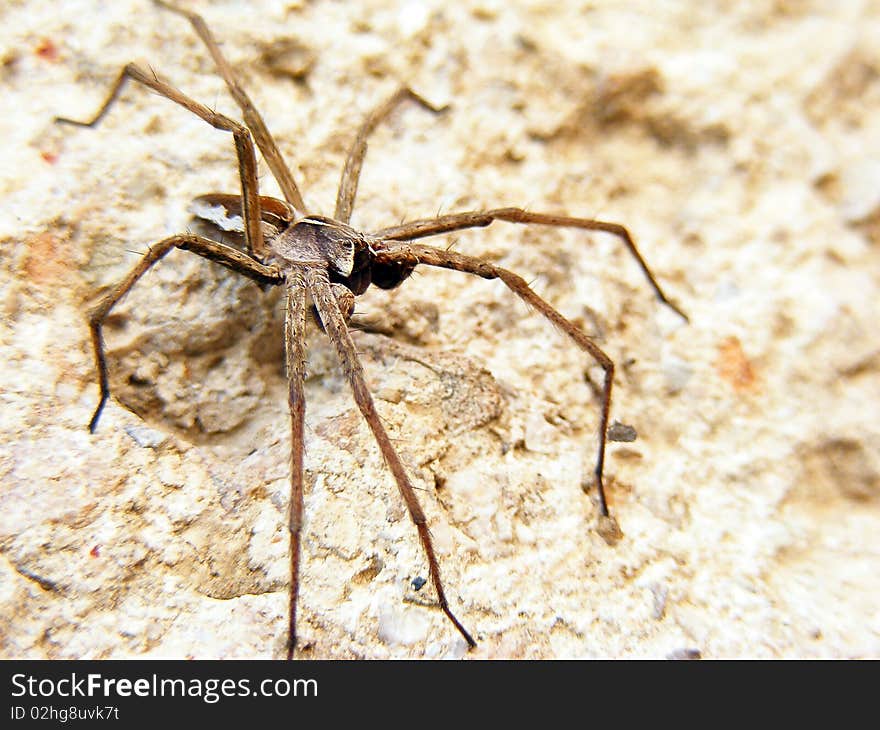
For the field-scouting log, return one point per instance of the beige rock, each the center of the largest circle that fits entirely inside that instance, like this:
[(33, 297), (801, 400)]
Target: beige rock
[(739, 145)]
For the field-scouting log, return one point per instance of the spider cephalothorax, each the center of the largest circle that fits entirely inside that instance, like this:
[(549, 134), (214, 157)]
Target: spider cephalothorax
[(351, 258)]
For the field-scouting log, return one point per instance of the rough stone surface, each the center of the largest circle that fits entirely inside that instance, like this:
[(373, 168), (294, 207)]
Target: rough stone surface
[(739, 142)]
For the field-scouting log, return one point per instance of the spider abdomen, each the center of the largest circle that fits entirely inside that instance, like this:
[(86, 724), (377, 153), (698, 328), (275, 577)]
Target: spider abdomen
[(389, 274)]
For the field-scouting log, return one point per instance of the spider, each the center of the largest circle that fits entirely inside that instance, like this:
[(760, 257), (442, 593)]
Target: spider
[(327, 261)]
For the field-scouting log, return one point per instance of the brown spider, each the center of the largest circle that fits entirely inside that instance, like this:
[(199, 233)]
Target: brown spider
[(328, 261)]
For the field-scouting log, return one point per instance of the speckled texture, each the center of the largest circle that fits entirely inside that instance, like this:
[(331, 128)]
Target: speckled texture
[(740, 143)]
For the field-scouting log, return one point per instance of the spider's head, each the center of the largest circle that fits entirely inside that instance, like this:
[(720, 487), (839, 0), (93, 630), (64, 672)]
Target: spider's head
[(318, 241), (351, 255)]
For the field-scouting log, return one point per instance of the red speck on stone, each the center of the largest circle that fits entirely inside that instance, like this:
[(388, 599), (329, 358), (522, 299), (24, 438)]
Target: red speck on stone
[(47, 50)]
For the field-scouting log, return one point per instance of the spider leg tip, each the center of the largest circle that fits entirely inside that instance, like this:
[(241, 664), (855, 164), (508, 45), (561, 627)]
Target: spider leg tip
[(609, 529), (675, 308)]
